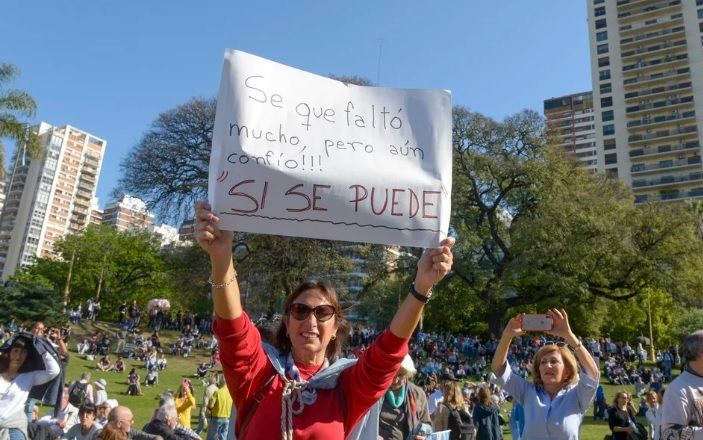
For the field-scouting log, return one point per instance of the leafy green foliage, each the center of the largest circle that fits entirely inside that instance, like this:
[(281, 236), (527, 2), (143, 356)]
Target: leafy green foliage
[(31, 298)]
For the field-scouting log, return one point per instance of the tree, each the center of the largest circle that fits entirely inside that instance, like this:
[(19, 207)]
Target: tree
[(31, 298), (110, 265), (169, 166), (536, 231), (14, 106)]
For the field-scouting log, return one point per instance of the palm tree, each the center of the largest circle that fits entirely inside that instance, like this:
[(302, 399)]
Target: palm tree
[(14, 106)]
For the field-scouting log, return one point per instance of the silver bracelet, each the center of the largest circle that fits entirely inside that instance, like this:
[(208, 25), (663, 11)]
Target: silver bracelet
[(222, 285)]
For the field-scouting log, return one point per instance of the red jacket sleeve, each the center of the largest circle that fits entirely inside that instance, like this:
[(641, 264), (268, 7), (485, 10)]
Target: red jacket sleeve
[(367, 381), (244, 362)]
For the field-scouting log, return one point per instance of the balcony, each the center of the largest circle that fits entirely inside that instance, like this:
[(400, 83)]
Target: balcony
[(669, 59), (640, 168), (659, 104), (652, 49), (639, 13), (668, 180), (652, 25), (650, 36), (658, 90), (642, 79), (661, 134), (662, 119), (663, 150), (669, 196)]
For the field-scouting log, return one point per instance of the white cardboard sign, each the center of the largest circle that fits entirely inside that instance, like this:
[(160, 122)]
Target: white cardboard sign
[(303, 155)]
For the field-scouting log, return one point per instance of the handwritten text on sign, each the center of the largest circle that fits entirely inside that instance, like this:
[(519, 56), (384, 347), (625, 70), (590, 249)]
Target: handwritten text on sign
[(302, 155)]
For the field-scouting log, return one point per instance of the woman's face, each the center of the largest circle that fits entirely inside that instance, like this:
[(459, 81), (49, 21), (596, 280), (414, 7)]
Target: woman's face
[(17, 357), (622, 399), (652, 400), (309, 337), (398, 380), (551, 369)]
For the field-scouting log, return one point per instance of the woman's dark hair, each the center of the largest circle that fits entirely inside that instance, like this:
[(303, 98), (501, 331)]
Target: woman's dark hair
[(32, 362), (334, 348)]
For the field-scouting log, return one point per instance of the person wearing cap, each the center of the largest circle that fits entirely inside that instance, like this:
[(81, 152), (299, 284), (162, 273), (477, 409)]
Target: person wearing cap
[(404, 411), (100, 393), (557, 399), (87, 429), (101, 412), (20, 369), (300, 380)]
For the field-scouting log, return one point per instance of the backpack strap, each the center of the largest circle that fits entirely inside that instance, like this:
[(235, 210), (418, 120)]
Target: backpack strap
[(258, 397)]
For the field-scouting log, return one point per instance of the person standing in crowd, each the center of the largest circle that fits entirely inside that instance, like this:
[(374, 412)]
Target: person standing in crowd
[(87, 429), (559, 397), (486, 416), (621, 416), (452, 414), (300, 379), (682, 407), (21, 369), (204, 416), (220, 408), (185, 401), (100, 393), (517, 420), (404, 411), (164, 422), (652, 414)]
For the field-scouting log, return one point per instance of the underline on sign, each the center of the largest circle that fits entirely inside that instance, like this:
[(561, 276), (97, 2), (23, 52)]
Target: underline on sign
[(300, 220)]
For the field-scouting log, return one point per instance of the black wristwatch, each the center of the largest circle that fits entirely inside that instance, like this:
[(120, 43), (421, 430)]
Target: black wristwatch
[(418, 296)]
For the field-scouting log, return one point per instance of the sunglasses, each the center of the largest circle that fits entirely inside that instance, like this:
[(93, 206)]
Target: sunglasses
[(322, 313), (558, 343)]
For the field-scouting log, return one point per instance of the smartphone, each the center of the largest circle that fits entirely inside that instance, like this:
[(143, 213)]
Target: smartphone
[(537, 322)]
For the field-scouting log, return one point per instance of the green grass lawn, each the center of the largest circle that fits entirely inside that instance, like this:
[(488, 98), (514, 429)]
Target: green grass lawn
[(178, 367)]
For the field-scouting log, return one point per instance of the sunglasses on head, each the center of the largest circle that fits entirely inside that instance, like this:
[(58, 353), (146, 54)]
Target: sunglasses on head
[(322, 313), (557, 343)]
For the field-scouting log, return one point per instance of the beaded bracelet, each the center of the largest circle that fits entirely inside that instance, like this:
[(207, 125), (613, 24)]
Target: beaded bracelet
[(222, 285)]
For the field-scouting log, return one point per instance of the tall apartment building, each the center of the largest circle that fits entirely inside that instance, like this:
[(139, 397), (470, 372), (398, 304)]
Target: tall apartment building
[(128, 213), (647, 69), (570, 122), (48, 197)]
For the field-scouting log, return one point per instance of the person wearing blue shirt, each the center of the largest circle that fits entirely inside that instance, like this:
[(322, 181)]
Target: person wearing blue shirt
[(557, 400)]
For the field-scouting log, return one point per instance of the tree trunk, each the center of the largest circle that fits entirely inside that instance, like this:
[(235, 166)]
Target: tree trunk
[(495, 320)]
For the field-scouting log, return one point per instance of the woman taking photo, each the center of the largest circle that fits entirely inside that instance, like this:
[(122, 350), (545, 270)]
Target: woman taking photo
[(559, 397), (280, 393)]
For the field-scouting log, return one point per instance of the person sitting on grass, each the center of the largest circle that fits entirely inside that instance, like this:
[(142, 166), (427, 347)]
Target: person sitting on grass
[(104, 364), (133, 386), (119, 365)]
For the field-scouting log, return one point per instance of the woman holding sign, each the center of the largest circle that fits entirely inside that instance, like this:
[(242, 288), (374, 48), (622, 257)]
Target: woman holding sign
[(299, 381), (559, 397)]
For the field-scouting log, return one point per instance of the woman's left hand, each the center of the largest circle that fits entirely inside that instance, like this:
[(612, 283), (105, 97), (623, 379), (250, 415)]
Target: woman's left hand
[(560, 324), (434, 265)]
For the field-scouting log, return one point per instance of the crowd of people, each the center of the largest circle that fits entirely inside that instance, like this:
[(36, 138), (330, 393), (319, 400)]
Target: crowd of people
[(322, 379)]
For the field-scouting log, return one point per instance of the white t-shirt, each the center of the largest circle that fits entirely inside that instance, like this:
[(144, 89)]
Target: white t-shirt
[(682, 409)]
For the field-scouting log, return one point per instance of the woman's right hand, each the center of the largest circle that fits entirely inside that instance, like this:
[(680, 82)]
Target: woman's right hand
[(217, 243), (514, 327)]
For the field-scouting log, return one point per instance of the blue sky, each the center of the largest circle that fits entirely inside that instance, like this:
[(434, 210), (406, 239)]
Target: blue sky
[(111, 67)]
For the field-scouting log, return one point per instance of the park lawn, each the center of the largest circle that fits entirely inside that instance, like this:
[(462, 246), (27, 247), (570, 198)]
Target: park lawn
[(144, 406)]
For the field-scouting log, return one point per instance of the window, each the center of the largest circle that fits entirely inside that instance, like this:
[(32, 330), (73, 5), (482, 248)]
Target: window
[(606, 88), (604, 74), (599, 11), (608, 129), (611, 158), (602, 48), (603, 61), (606, 102), (607, 116), (600, 23), (609, 144), (598, 2), (611, 173), (700, 13), (601, 36)]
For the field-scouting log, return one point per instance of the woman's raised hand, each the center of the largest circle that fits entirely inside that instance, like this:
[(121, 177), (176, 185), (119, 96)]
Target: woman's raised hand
[(514, 327), (217, 243), (434, 265), (560, 325)]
